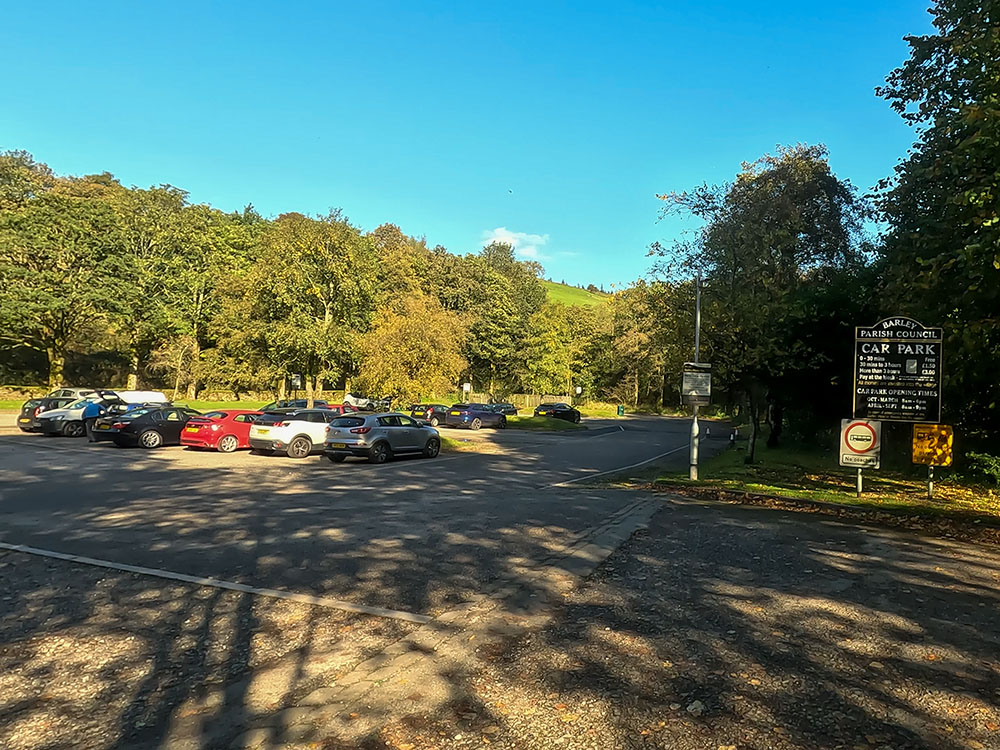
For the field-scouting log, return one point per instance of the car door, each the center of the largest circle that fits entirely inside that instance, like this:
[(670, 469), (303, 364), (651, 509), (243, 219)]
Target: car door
[(393, 431), (317, 422), (240, 427), (172, 421), (411, 434)]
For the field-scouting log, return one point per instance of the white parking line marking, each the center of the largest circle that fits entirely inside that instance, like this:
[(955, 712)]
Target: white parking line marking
[(620, 468), (320, 601)]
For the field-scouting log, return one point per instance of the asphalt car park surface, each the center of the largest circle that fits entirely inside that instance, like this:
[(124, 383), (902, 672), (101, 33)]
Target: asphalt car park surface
[(414, 535)]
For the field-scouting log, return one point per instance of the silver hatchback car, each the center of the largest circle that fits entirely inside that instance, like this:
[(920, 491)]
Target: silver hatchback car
[(379, 437)]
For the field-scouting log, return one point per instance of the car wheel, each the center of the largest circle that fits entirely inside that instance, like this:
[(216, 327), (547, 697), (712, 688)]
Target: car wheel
[(227, 444), (576, 419), (476, 423), (300, 447), (335, 458), (432, 448), (151, 439), (435, 421), (502, 423), (379, 453), (73, 429)]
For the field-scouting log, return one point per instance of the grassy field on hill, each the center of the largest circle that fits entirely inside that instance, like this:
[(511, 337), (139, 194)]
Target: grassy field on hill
[(571, 295)]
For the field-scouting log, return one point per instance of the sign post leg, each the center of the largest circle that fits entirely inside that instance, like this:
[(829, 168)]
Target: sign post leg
[(930, 482), (859, 481), (693, 472)]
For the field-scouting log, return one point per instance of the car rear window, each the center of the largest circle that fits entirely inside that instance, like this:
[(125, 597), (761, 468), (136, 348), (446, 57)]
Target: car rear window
[(214, 415), (460, 406), (133, 413), (32, 403), (271, 418), (347, 422)]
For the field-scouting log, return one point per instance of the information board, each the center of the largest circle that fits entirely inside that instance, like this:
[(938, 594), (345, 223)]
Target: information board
[(897, 371), (696, 384)]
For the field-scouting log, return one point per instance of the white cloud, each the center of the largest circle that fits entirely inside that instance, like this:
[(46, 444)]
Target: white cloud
[(525, 245)]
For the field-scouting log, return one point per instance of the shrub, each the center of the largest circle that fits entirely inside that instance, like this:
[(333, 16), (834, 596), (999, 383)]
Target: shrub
[(983, 468)]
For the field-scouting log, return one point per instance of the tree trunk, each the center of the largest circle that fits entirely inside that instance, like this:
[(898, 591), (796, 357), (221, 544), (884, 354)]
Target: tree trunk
[(753, 404), (775, 420), (192, 389), (283, 388), (309, 392), (57, 366), (133, 372)]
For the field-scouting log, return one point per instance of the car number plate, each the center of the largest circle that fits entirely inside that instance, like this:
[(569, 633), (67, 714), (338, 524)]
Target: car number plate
[(261, 431), (24, 419), (455, 413), (419, 413), (190, 429), (338, 445), (104, 427)]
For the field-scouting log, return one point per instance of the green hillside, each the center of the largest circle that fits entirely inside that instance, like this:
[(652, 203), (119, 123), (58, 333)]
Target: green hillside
[(571, 295)]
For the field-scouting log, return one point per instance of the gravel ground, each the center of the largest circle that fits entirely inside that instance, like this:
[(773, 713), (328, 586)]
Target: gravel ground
[(91, 658), (737, 628)]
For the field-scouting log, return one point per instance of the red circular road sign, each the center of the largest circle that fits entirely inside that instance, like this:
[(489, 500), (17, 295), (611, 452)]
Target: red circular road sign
[(862, 435)]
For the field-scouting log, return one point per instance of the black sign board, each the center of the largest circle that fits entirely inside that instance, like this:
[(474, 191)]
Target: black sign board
[(897, 372)]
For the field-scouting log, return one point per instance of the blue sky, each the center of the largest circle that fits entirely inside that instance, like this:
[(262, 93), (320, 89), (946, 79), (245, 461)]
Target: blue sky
[(553, 124)]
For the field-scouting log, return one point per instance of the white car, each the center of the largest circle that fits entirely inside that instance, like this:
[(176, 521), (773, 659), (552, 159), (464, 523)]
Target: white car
[(295, 432), (68, 421)]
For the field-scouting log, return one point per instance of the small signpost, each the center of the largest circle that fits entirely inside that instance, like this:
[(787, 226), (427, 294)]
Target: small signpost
[(295, 381), (466, 387), (860, 445), (932, 445), (897, 371)]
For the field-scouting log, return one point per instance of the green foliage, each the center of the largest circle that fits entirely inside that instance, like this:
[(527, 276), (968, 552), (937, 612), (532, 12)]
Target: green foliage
[(982, 468), (942, 254)]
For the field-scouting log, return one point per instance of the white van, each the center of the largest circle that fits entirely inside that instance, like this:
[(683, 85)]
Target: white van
[(68, 421)]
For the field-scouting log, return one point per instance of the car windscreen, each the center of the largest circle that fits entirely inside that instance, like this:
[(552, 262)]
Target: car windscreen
[(347, 422), (32, 403), (216, 415)]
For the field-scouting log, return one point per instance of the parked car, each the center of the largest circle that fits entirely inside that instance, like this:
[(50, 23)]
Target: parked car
[(68, 420), (71, 393), (27, 420), (433, 414), (224, 431), (296, 432), (104, 427), (379, 437), (558, 411), (152, 427), (474, 416), (361, 402), (294, 403), (504, 407)]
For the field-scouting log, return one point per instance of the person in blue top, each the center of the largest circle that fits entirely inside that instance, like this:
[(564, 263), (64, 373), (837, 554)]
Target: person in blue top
[(96, 409)]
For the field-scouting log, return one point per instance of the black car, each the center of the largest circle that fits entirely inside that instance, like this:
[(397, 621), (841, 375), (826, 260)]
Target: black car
[(558, 411), (294, 403), (504, 407), (433, 414), (27, 420), (151, 427), (105, 427)]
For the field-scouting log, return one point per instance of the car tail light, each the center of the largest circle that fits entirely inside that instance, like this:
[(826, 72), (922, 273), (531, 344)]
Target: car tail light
[(38, 410), (280, 424), (361, 430), (118, 425)]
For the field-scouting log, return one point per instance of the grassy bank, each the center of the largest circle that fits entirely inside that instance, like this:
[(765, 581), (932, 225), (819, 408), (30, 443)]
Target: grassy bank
[(797, 472), (541, 423)]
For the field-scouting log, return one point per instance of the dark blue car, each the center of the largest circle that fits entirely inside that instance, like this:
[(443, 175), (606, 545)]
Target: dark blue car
[(474, 416)]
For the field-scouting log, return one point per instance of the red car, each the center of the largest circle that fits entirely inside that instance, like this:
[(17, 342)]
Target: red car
[(224, 431)]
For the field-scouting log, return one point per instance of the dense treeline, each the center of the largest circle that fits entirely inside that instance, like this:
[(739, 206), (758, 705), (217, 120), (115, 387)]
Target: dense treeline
[(100, 282), (105, 283)]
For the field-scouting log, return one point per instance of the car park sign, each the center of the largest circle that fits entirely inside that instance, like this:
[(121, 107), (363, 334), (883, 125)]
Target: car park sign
[(696, 384), (897, 371), (860, 443)]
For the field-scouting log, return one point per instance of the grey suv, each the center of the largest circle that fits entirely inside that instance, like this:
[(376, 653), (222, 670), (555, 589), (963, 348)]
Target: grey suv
[(379, 437)]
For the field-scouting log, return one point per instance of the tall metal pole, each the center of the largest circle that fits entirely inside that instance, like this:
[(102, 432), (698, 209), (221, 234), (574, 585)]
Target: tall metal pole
[(693, 469)]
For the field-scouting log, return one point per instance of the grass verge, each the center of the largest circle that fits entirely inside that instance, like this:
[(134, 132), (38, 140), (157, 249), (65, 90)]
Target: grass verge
[(796, 472), (541, 423)]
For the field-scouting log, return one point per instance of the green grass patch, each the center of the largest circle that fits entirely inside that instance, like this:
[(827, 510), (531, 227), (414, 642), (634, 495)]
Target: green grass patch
[(204, 406), (571, 295), (541, 423), (799, 472), (12, 405)]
